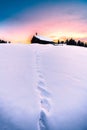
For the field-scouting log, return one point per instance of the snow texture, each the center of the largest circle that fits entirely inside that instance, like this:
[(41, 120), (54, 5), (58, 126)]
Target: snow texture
[(43, 87)]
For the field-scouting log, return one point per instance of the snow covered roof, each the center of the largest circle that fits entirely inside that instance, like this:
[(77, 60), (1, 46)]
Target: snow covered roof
[(43, 38)]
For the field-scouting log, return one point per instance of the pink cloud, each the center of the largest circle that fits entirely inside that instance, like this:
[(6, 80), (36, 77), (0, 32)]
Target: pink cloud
[(51, 22)]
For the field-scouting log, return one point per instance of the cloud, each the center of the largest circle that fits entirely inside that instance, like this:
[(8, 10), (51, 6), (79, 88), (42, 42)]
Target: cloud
[(55, 20)]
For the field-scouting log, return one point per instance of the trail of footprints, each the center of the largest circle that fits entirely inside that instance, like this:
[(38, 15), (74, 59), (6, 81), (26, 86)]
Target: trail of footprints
[(45, 96)]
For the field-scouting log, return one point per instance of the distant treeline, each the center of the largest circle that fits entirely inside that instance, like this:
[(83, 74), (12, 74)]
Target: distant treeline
[(3, 41), (73, 42)]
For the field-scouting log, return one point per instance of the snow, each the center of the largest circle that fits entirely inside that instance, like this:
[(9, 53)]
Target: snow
[(43, 87), (43, 38)]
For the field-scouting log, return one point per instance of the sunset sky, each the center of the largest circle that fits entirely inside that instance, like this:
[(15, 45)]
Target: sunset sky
[(56, 19)]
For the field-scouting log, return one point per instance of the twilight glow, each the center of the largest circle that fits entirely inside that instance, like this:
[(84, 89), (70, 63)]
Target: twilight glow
[(57, 19)]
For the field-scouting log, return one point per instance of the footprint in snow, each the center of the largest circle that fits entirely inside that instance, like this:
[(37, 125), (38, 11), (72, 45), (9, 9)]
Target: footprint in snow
[(38, 70), (43, 124), (43, 92), (41, 83), (40, 75), (45, 104)]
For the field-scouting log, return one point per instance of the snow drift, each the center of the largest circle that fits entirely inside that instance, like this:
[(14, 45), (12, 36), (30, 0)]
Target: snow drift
[(43, 87)]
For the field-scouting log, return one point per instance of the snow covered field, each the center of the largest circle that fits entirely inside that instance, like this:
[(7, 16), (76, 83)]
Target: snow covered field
[(43, 87)]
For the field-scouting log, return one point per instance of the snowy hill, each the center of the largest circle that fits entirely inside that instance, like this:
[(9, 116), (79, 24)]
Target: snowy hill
[(43, 87)]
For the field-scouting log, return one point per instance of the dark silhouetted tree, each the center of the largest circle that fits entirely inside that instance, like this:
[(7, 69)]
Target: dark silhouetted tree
[(66, 42), (79, 43), (85, 44), (3, 41), (62, 42), (71, 42)]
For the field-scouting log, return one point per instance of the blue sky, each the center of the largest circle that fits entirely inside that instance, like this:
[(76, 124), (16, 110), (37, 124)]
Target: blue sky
[(48, 15), (10, 8)]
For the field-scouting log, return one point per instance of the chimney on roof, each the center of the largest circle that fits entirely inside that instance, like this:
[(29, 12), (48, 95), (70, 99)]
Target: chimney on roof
[(36, 33)]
